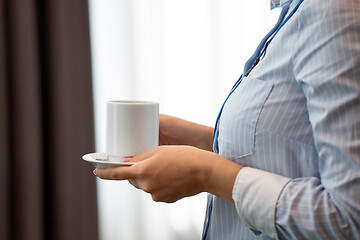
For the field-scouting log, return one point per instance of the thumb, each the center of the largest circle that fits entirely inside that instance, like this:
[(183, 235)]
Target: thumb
[(115, 173)]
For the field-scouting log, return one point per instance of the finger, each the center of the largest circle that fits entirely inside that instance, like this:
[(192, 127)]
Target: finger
[(143, 156), (115, 173), (135, 183)]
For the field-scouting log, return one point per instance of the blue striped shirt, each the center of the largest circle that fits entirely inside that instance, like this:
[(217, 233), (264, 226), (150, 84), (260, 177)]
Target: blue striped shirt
[(294, 123)]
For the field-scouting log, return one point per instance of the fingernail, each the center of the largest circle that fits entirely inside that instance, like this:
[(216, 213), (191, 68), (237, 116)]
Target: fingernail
[(94, 172), (128, 159)]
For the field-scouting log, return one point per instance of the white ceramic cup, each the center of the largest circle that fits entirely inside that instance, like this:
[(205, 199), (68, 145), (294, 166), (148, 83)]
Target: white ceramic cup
[(132, 127)]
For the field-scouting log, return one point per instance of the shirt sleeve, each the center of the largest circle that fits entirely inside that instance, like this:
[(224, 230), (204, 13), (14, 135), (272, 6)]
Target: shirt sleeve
[(255, 194), (327, 65)]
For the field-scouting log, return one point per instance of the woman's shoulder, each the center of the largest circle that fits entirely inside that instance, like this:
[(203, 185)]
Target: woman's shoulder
[(330, 9)]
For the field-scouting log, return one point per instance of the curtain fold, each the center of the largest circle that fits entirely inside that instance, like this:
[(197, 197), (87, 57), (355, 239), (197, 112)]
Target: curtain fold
[(46, 121)]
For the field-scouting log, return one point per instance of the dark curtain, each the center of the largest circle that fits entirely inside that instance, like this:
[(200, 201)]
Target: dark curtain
[(46, 121)]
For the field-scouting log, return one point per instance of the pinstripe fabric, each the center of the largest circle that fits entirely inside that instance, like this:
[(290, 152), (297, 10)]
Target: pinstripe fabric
[(278, 3), (297, 115)]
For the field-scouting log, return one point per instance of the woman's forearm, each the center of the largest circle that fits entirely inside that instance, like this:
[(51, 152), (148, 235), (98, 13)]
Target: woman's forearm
[(176, 131)]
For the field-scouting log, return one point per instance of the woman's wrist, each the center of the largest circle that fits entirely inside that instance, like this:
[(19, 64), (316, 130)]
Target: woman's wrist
[(218, 176)]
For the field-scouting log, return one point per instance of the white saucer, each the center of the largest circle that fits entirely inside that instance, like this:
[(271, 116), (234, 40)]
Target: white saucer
[(101, 160)]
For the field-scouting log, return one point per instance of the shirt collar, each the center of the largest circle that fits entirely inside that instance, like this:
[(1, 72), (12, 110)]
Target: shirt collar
[(279, 3)]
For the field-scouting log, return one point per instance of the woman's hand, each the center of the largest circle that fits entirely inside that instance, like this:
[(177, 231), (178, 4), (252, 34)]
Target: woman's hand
[(170, 173), (176, 131)]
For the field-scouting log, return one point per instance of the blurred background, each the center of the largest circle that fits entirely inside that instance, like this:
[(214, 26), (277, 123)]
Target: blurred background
[(186, 55), (61, 61)]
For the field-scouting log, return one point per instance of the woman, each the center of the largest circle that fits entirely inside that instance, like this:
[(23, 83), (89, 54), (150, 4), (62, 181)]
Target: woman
[(286, 147)]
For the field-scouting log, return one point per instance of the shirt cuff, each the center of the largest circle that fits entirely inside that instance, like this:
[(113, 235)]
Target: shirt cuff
[(255, 194)]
